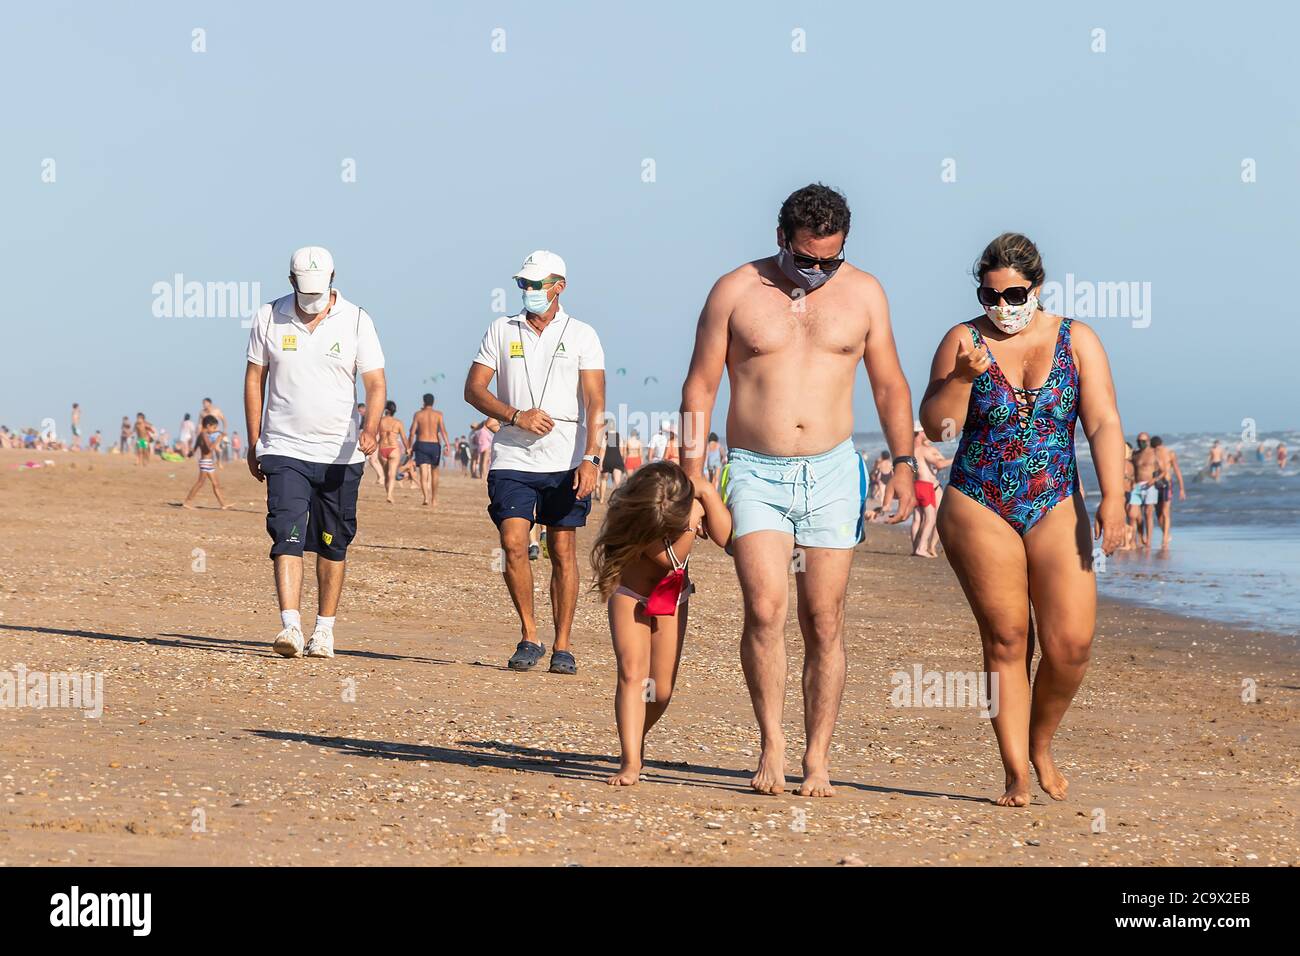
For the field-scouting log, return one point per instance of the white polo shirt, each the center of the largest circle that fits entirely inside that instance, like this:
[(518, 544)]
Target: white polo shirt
[(541, 371), (312, 383)]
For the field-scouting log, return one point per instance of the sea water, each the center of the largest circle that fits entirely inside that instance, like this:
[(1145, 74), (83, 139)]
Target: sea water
[(1234, 555)]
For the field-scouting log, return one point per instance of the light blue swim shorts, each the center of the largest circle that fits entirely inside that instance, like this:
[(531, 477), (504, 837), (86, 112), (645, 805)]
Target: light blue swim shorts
[(819, 498)]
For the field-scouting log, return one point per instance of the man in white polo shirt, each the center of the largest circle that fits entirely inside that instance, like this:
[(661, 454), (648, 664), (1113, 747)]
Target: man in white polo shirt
[(550, 372), (304, 353)]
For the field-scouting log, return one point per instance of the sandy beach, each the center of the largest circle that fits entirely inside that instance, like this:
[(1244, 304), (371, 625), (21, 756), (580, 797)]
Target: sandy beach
[(416, 746)]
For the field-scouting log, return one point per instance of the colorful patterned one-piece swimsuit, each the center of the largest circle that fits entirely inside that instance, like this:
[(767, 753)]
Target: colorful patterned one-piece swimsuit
[(1016, 457)]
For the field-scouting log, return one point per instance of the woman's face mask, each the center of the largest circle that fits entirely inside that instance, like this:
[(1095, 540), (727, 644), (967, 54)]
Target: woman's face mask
[(1012, 318)]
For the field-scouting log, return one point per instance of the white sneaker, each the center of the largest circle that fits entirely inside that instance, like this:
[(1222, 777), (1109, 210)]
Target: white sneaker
[(288, 643), (321, 644)]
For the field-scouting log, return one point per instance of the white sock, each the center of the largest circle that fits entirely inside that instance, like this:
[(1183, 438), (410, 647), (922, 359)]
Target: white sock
[(325, 624), (291, 619)]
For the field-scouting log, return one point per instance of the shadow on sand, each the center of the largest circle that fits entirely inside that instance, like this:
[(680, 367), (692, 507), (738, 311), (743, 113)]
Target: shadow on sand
[(574, 766), (204, 642)]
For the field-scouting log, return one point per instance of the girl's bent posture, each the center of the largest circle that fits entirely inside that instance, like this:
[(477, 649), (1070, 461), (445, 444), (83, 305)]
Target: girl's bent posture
[(640, 559)]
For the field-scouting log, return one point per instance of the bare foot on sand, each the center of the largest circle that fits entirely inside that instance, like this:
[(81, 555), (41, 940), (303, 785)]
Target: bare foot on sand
[(186, 504), (770, 776), (627, 776), (1017, 794), (816, 782), (1050, 779)]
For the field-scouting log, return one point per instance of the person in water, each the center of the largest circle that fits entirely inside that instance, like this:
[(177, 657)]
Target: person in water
[(640, 559), (1013, 549)]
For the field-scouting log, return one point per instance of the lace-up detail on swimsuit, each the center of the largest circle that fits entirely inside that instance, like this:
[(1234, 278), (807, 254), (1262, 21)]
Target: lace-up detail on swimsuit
[(1026, 402)]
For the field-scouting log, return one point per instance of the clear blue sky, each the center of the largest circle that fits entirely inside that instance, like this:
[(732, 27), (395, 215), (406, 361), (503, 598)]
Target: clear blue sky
[(1125, 166)]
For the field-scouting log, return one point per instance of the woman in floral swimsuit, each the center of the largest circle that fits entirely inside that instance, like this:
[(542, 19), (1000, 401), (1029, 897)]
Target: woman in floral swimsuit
[(1012, 547)]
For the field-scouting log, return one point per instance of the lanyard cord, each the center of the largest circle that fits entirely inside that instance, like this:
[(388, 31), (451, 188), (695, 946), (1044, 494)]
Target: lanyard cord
[(528, 375)]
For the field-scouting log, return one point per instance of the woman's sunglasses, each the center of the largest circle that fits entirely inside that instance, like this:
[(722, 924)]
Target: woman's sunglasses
[(1012, 295), (535, 285), (807, 262)]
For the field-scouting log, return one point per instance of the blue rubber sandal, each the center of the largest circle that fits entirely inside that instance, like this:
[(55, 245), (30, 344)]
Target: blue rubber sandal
[(526, 656), (562, 662)]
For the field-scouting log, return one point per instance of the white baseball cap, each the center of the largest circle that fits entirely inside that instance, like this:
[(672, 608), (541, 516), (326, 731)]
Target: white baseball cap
[(541, 264), (312, 266)]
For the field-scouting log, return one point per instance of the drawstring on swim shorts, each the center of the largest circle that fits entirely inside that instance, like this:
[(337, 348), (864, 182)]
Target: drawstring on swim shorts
[(802, 471)]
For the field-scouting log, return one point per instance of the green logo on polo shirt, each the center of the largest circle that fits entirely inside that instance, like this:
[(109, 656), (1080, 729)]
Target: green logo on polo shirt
[(335, 351), (560, 349)]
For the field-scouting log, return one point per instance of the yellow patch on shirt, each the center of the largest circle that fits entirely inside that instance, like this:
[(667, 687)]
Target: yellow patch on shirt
[(516, 349), (288, 343)]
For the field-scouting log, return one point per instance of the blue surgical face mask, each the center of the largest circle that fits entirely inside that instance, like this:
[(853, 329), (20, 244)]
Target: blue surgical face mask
[(806, 279), (536, 301)]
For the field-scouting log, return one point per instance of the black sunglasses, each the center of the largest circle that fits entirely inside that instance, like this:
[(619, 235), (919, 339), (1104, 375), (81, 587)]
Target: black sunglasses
[(807, 262), (1012, 295), (536, 285)]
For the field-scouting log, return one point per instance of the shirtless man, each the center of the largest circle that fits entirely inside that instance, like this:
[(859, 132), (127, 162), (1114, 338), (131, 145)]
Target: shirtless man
[(929, 460), (1167, 462), (392, 446), (428, 437), (144, 435), (76, 427), (1144, 497), (125, 438), (1215, 463), (790, 331)]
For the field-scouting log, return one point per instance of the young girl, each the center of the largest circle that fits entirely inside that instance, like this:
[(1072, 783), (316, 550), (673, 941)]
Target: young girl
[(207, 445), (640, 560)]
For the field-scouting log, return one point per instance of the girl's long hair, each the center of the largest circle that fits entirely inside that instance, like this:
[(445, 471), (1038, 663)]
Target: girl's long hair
[(654, 504)]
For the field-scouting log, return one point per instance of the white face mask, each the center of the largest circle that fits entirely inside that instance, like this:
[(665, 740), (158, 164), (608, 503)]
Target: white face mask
[(312, 304), (1012, 318)]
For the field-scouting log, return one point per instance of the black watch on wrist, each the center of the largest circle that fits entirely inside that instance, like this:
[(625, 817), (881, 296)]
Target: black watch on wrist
[(909, 461)]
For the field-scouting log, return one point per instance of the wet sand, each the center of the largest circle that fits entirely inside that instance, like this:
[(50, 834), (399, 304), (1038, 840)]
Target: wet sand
[(213, 750)]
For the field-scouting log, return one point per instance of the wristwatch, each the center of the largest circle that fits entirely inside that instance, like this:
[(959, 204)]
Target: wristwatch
[(594, 459), (909, 461)]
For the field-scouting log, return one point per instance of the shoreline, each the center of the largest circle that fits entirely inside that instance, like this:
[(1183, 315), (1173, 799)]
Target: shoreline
[(441, 742), (1121, 603)]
